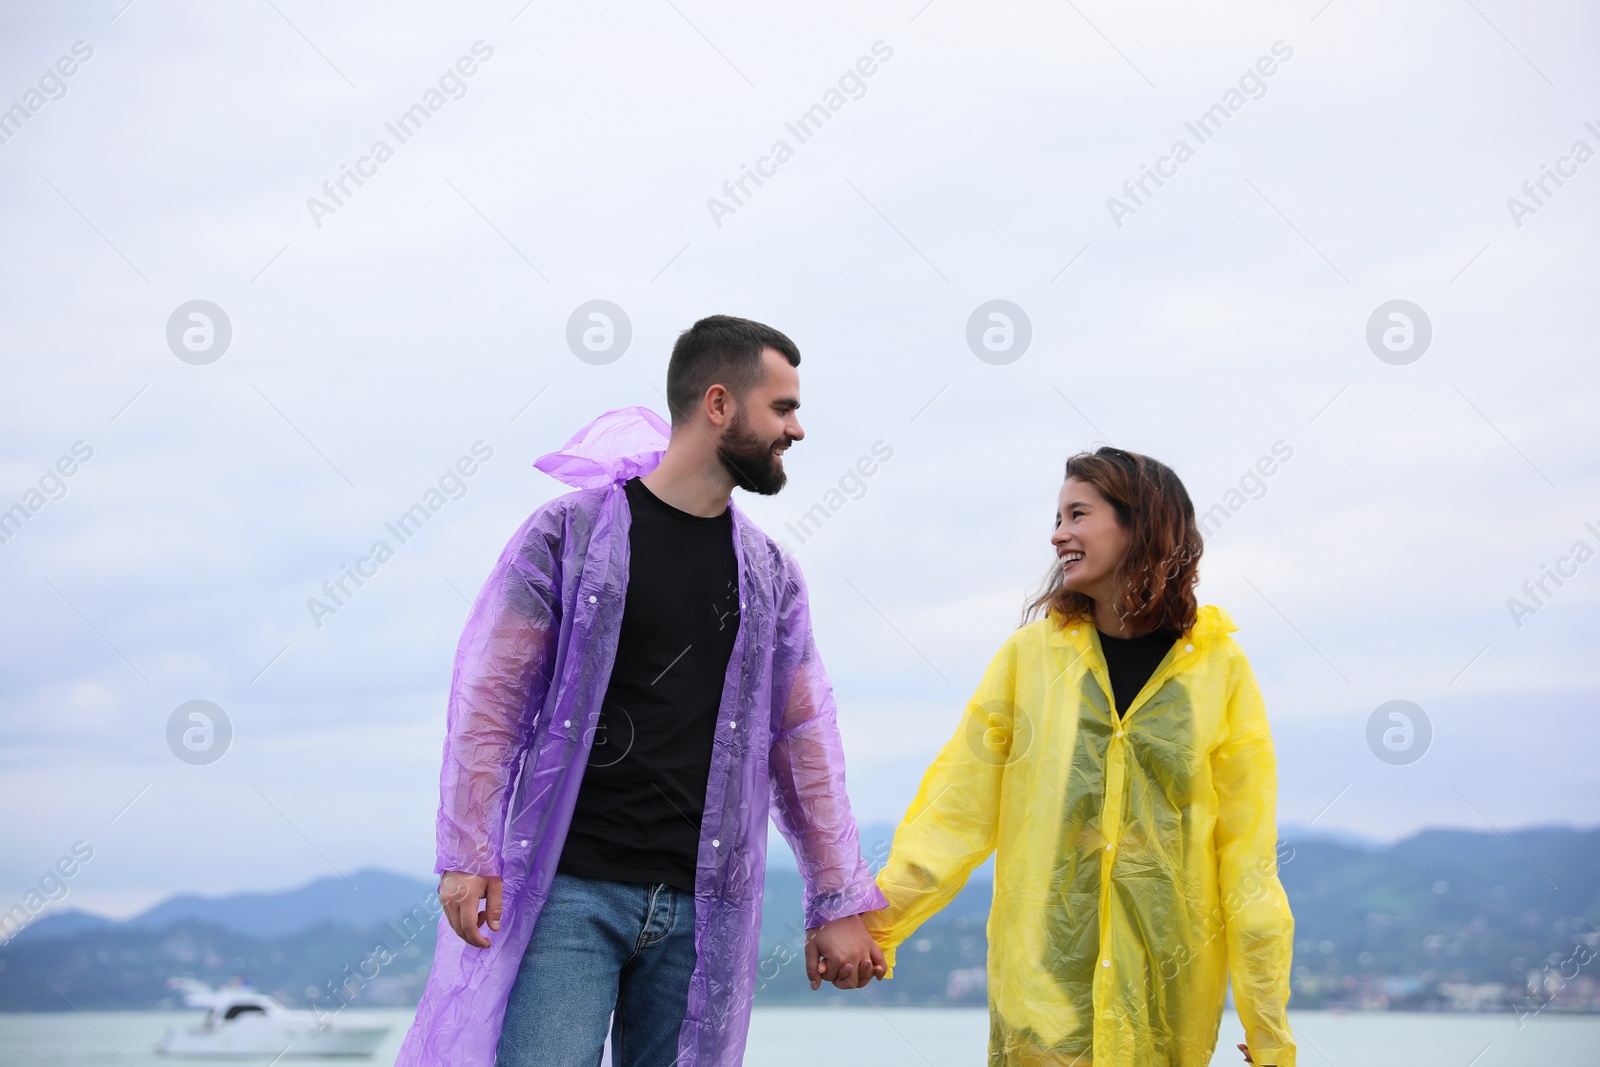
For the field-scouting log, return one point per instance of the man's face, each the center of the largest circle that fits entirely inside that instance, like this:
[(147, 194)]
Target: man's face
[(764, 426)]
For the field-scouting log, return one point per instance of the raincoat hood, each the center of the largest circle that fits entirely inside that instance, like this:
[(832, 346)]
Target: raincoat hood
[(531, 672), (1212, 621), (619, 445)]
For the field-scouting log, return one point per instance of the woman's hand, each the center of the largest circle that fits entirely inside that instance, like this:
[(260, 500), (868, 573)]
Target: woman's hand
[(842, 952), (1246, 1050)]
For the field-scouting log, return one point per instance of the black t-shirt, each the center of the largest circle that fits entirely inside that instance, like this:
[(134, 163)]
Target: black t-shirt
[(1132, 660), (644, 789)]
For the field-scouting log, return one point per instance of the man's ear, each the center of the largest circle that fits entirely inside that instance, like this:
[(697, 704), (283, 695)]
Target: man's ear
[(719, 406)]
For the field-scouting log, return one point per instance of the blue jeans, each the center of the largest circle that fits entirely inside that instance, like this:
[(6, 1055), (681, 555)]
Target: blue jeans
[(602, 951)]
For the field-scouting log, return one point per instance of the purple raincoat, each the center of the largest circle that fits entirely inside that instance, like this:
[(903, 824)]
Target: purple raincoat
[(530, 674)]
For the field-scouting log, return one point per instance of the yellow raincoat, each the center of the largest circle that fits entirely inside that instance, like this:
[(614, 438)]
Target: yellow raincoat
[(1135, 861)]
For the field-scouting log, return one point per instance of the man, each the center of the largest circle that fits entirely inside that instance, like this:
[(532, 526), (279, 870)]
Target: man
[(636, 682)]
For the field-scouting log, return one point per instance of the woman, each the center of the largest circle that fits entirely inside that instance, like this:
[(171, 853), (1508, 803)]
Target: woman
[(1116, 759)]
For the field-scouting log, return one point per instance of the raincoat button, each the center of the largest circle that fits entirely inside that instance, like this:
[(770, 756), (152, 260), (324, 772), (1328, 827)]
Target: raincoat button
[(733, 726), (1074, 633), (1105, 963), (1108, 848), (1186, 648), (593, 598), (1119, 733), (741, 605), (567, 724), (716, 843), (524, 844)]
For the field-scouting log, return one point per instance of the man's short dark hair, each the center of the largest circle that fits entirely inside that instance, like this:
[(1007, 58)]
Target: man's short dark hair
[(720, 350)]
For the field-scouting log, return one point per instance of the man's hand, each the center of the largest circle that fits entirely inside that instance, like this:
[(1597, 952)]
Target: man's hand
[(460, 894), (842, 952)]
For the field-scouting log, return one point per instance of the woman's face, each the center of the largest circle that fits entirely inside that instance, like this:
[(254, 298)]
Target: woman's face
[(1088, 540)]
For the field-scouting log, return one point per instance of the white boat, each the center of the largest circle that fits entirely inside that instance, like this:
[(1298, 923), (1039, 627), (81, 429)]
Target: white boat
[(242, 1022)]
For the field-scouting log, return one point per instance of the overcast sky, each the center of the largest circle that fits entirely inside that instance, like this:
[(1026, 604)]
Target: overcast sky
[(1356, 154)]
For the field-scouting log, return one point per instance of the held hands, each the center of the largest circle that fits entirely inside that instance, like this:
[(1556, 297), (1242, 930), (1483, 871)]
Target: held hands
[(842, 952), (1246, 1050), (461, 894)]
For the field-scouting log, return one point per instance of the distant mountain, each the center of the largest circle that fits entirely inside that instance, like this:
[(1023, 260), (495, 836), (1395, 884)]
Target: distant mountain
[(62, 924), (1445, 919), (1291, 832), (1447, 907), (369, 898)]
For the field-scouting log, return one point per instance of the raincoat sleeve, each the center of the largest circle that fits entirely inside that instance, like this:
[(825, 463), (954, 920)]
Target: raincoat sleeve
[(1259, 925), (952, 823), (501, 676), (806, 762)]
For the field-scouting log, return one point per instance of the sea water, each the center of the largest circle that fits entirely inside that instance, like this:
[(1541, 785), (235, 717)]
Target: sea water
[(891, 1037)]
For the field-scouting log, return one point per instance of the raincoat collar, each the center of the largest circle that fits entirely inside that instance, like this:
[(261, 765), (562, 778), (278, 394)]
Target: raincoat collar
[(1211, 626), (1211, 623)]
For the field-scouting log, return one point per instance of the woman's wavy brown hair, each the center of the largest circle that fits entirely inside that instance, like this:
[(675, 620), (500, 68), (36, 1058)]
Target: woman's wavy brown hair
[(1155, 580)]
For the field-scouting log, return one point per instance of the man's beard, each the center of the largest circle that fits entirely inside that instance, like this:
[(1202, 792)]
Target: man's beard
[(750, 461)]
